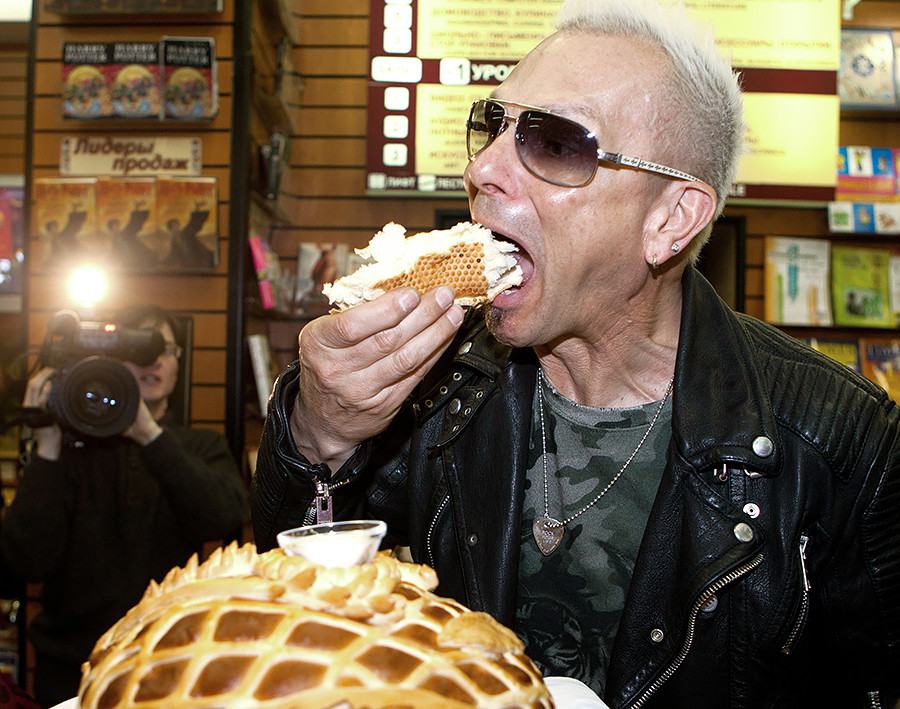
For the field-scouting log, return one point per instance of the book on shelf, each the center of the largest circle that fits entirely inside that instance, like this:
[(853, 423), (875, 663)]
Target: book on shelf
[(126, 221), (866, 174), (797, 279), (864, 217), (134, 79), (264, 371), (187, 214), (880, 362), (111, 7), (85, 80), (190, 77), (318, 263), (64, 219), (270, 276), (866, 74), (894, 284), (843, 350), (12, 245), (860, 287)]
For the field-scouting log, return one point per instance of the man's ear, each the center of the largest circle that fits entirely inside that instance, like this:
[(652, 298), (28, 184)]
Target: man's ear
[(684, 209)]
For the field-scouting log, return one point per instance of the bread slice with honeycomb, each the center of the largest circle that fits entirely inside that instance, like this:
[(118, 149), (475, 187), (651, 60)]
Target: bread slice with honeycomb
[(465, 257), (270, 631)]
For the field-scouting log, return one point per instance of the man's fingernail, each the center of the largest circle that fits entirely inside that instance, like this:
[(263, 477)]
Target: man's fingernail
[(455, 316), (409, 300), (444, 296)]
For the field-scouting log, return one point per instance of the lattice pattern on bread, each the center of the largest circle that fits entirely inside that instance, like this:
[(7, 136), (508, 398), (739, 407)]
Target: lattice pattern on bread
[(270, 631), (466, 257)]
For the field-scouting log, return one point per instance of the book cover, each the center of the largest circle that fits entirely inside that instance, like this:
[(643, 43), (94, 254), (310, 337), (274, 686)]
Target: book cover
[(860, 286), (12, 240), (880, 361), (187, 215), (172, 6), (269, 274), (104, 7), (64, 219), (189, 77), (797, 278), (845, 351), (894, 284), (85, 80), (126, 221), (317, 264), (865, 174), (263, 369), (135, 82), (866, 76)]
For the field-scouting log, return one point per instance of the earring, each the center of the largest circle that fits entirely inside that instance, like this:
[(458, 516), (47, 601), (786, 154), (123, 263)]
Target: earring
[(653, 265), (676, 248)]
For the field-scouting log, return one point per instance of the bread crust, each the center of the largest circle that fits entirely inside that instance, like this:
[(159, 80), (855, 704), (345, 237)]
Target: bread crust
[(266, 631)]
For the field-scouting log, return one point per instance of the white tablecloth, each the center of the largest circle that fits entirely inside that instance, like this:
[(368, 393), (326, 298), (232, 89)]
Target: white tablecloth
[(567, 693)]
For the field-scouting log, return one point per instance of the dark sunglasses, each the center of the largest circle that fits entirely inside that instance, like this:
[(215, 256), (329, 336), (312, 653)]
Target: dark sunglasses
[(553, 148)]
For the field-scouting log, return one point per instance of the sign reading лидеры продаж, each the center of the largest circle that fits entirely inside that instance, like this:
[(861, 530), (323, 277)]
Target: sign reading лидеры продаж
[(130, 157)]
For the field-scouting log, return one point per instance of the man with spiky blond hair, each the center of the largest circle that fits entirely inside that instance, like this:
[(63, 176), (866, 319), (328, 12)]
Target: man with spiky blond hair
[(678, 505)]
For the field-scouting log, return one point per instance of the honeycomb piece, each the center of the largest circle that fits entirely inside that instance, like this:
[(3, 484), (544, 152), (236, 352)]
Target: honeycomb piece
[(466, 257)]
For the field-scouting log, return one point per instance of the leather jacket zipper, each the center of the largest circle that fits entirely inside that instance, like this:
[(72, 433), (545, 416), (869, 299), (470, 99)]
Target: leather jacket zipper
[(430, 535), (324, 512), (804, 601), (692, 623), (874, 699)]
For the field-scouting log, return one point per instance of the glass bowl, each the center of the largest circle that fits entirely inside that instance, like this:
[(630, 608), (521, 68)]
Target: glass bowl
[(335, 544)]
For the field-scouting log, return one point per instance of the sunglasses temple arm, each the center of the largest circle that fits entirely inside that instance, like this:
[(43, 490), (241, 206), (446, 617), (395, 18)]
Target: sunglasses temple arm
[(645, 165)]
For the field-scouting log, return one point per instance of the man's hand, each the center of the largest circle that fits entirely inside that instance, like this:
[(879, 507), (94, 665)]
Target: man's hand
[(357, 367)]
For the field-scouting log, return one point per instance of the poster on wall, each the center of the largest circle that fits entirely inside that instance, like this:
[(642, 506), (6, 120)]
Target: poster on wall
[(428, 61), (12, 252)]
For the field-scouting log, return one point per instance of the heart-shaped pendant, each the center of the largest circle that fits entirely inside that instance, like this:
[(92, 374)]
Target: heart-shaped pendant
[(548, 533)]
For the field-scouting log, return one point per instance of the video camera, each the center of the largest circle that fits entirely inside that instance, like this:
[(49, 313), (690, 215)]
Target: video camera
[(94, 395)]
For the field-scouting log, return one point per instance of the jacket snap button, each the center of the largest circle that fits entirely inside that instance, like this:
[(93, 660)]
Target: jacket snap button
[(464, 348), (763, 446), (711, 604), (455, 406), (751, 510), (472, 540), (657, 635), (743, 532)]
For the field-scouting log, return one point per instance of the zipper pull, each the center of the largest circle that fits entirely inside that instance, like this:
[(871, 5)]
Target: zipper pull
[(803, 541), (324, 511)]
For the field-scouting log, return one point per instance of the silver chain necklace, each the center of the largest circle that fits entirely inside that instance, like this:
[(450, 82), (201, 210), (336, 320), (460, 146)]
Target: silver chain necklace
[(548, 532)]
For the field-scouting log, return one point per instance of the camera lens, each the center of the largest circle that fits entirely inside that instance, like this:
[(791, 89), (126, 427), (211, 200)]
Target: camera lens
[(97, 397)]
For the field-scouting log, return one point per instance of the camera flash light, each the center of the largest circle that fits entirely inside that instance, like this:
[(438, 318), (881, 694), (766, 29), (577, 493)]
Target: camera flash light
[(87, 286)]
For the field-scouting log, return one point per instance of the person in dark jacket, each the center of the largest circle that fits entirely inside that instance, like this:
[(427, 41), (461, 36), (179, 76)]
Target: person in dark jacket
[(678, 505), (95, 521)]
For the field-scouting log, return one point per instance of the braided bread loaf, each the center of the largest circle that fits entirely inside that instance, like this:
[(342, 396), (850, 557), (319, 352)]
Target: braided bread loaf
[(271, 631)]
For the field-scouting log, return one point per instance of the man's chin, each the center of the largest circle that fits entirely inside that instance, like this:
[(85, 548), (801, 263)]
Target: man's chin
[(499, 323)]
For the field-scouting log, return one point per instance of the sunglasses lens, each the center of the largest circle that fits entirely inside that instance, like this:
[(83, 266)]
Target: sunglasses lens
[(556, 149), (485, 123)]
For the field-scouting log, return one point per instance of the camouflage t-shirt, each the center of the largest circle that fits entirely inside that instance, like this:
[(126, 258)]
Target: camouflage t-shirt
[(569, 603)]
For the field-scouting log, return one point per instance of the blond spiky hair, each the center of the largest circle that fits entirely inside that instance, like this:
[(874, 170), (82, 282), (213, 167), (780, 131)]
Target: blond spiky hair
[(707, 130)]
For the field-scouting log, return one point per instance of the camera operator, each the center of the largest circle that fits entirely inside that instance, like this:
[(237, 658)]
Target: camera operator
[(96, 520)]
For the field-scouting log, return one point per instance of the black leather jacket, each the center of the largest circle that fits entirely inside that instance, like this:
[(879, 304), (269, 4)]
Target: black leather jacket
[(769, 572)]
